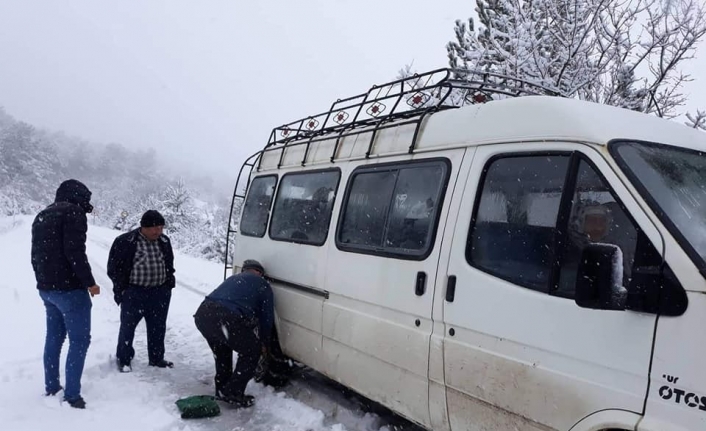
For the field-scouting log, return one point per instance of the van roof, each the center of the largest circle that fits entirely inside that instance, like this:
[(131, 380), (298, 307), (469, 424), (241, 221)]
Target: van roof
[(524, 113), (548, 118)]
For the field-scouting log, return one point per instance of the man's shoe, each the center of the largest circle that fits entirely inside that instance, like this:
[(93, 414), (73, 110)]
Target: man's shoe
[(52, 393), (238, 401), (124, 368), (78, 403), (162, 364)]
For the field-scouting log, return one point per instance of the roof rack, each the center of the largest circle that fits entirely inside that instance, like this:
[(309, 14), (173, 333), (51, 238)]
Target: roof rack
[(404, 101), (414, 96)]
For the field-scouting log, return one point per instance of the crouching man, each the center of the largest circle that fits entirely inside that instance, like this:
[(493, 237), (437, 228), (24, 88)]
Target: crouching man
[(141, 266), (237, 316)]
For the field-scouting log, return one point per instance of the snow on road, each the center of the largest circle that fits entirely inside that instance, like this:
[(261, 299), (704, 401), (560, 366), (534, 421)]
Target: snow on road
[(143, 399)]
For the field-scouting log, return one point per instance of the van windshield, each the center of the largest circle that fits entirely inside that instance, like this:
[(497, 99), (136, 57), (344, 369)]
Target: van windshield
[(673, 181)]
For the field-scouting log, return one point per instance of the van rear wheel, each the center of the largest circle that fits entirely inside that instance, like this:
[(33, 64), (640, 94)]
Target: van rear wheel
[(275, 369)]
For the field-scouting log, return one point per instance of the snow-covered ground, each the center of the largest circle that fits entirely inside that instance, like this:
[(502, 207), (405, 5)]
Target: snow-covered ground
[(143, 399)]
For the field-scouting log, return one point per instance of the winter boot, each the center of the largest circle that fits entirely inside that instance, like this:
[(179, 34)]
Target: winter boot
[(78, 403), (238, 401), (123, 368), (162, 364), (52, 393)]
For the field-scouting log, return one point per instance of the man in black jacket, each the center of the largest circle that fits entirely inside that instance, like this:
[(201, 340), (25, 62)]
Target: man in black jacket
[(65, 280), (141, 266)]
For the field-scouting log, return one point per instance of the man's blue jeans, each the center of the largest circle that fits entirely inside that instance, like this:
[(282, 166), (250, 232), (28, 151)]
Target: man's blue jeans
[(68, 312)]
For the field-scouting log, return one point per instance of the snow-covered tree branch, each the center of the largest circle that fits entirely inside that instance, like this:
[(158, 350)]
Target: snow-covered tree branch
[(624, 53), (697, 121)]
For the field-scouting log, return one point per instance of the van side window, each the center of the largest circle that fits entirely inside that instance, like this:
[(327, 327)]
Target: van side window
[(597, 217), (515, 224), (256, 210), (527, 231), (392, 210), (367, 207), (303, 207)]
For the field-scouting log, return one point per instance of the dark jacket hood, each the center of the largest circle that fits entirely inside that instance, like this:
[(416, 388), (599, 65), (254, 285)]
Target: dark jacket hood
[(75, 192)]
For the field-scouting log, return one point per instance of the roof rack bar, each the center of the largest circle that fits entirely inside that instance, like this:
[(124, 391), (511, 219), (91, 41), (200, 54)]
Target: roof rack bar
[(335, 146), (397, 102), (413, 145), (259, 160), (281, 155), (372, 141), (306, 151)]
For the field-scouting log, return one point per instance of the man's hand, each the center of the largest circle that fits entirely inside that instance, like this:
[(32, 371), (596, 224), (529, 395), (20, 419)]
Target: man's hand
[(264, 350), (94, 290)]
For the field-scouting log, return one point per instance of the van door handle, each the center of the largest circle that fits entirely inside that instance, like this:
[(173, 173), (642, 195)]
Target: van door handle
[(451, 288), (421, 285)]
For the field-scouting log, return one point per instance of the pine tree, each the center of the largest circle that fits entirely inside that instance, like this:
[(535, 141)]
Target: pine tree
[(178, 208)]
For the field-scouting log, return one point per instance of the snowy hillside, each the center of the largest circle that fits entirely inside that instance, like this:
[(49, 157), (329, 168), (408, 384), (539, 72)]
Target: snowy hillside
[(144, 399)]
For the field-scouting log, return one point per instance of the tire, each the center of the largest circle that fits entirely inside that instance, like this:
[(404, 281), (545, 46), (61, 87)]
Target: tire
[(275, 369)]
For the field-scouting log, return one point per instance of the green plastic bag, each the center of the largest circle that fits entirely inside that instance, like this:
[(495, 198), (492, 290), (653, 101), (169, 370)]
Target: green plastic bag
[(198, 406)]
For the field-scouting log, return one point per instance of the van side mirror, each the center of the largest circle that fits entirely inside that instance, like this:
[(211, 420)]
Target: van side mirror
[(599, 280)]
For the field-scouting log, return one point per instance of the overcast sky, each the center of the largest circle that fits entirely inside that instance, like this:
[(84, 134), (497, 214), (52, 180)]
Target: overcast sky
[(207, 80)]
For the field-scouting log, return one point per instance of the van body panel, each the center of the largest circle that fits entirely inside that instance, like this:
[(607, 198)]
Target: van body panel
[(678, 389), (683, 267), (437, 382), (399, 390), (270, 159), (438, 410), (293, 156), (369, 279), (320, 151), (374, 311), (393, 139), (565, 362), (300, 344), (385, 333), (303, 265), (355, 146), (481, 416)]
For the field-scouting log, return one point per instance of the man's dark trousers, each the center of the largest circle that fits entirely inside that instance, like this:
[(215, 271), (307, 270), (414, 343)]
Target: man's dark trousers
[(226, 331), (152, 303)]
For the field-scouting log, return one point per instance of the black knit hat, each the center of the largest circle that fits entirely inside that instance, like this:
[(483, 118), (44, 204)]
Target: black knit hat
[(152, 218), (253, 264)]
